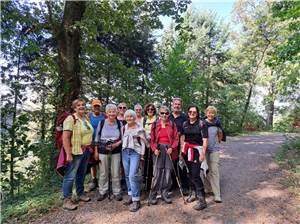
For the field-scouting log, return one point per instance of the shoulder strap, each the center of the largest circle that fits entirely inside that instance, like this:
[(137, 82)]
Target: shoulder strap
[(74, 118), (119, 128), (144, 121), (101, 127)]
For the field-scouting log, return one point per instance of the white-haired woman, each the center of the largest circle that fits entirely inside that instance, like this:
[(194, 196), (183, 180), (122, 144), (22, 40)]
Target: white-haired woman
[(133, 149), (108, 144)]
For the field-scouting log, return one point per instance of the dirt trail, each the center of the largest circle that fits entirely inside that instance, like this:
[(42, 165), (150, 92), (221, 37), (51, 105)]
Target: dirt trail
[(251, 190)]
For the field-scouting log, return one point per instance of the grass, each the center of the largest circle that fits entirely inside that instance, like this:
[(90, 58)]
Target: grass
[(288, 157), (30, 206)]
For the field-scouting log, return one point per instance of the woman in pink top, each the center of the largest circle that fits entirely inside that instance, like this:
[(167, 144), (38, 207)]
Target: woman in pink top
[(164, 142)]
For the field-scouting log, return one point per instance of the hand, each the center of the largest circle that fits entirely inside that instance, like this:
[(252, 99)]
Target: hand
[(156, 152), (201, 157), (169, 151), (69, 158)]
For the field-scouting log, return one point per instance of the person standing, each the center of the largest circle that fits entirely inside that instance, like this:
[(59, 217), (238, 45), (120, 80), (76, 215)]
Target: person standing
[(164, 143), (149, 119), (193, 149), (139, 116), (178, 117), (95, 117), (77, 140), (133, 149), (108, 141), (216, 134)]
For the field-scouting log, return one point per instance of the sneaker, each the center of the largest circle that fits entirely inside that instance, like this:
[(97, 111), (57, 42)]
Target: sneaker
[(69, 205), (100, 197), (201, 204), (118, 197), (191, 198), (218, 200), (83, 198), (152, 199), (135, 206), (166, 198), (128, 201), (93, 185)]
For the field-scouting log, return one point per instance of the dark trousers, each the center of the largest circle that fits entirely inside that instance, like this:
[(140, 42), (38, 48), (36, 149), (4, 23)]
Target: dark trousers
[(195, 181), (148, 169), (162, 180)]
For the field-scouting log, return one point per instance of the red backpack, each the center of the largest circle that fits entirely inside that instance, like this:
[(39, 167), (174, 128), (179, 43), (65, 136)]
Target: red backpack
[(59, 128)]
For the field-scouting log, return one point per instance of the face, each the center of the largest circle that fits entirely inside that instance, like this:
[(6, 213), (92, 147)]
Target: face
[(111, 114), (138, 111), (122, 108), (210, 114), (150, 111), (80, 108), (164, 114), (96, 109), (192, 113), (176, 106), (130, 119)]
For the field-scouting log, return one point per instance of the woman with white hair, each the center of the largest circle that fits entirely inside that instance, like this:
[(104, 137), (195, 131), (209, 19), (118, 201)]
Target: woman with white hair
[(133, 149), (108, 148)]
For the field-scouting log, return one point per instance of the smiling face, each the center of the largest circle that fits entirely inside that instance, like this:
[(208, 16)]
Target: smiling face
[(130, 119), (122, 107), (164, 114), (80, 107), (96, 109), (150, 111), (192, 113), (176, 106), (111, 114), (138, 111), (211, 114)]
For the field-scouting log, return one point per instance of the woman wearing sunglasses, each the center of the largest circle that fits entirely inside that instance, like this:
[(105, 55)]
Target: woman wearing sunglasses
[(149, 119), (77, 140), (164, 142), (193, 148)]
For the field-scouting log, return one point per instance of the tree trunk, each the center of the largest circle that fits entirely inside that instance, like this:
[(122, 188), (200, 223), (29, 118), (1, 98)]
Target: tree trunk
[(246, 105), (68, 37)]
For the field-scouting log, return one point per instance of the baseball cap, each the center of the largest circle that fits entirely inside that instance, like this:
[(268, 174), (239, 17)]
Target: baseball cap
[(96, 102)]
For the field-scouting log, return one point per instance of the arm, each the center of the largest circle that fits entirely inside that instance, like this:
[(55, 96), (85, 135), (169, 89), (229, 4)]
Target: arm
[(67, 144)]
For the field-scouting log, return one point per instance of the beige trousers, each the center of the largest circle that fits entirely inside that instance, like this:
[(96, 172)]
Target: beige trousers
[(212, 181), (104, 173)]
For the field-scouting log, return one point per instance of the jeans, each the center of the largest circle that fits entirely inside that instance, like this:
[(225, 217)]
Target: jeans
[(76, 169), (131, 161)]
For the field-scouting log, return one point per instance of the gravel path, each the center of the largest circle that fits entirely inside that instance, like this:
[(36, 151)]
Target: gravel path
[(251, 190)]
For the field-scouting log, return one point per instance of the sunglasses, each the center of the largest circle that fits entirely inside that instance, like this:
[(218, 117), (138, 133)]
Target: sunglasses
[(138, 109), (192, 112), (122, 108), (164, 113), (150, 109)]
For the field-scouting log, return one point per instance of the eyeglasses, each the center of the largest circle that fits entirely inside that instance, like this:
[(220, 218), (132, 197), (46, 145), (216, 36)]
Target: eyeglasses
[(192, 112), (164, 113), (138, 109), (122, 108), (150, 109)]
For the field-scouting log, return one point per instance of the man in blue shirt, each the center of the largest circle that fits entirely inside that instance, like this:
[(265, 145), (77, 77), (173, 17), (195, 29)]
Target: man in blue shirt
[(95, 117)]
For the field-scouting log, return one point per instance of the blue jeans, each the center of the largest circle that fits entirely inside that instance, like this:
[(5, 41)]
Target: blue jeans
[(76, 169), (131, 161)]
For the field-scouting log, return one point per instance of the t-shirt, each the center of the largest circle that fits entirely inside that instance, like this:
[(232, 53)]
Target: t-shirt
[(95, 120), (82, 132), (163, 137), (193, 133), (213, 143), (179, 121)]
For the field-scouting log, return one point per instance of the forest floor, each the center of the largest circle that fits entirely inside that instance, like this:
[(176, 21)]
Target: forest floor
[(253, 191)]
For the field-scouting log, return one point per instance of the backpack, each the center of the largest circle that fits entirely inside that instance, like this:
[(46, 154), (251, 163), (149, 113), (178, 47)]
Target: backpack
[(59, 128)]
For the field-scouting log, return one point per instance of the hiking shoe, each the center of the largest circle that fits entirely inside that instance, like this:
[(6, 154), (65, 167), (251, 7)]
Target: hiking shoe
[(93, 185), (83, 198), (185, 191), (166, 199), (152, 199), (191, 198), (201, 204), (100, 197), (69, 204), (135, 206), (118, 197), (128, 201)]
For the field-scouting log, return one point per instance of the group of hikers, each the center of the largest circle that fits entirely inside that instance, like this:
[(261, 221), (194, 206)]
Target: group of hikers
[(154, 151)]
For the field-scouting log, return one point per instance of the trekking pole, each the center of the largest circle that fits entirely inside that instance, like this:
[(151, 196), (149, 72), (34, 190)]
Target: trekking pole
[(180, 188), (147, 168), (109, 173), (154, 170)]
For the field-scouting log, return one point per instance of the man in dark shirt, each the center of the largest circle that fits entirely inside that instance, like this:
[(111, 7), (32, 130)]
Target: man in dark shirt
[(178, 117)]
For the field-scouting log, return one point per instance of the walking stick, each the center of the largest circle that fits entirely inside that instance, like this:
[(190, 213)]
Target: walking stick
[(180, 188), (147, 168), (154, 170)]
